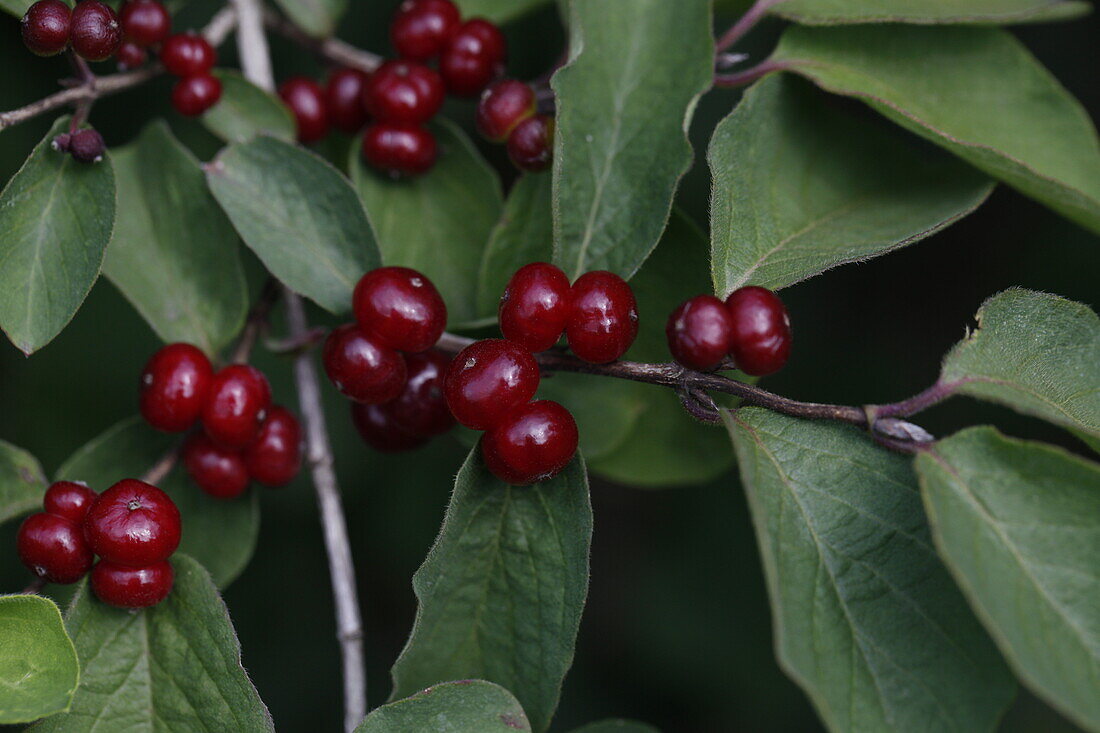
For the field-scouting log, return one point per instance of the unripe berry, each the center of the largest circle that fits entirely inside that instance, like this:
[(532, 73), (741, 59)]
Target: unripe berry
[(187, 54), (420, 28), (131, 56), (399, 150), (276, 456), (94, 31), (401, 307), (473, 56), (344, 99), (87, 146), (145, 22), (53, 548), (535, 306), (532, 443), (174, 387), (700, 333), (133, 523), (420, 409), (362, 367), (130, 587), (306, 101), (603, 319), (503, 106), (487, 380), (236, 406), (531, 144), (46, 27), (377, 428), (761, 339), (195, 94), (69, 499), (218, 471)]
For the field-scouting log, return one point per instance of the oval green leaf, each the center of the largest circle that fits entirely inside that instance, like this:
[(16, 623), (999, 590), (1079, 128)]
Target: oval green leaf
[(466, 706), (299, 215), (56, 218), (245, 111), (38, 666), (1018, 524), (501, 591), (953, 12), (22, 482), (867, 619)]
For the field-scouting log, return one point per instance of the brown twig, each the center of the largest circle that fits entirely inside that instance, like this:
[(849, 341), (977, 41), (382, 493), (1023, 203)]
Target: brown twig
[(34, 587), (257, 322), (330, 49), (164, 465)]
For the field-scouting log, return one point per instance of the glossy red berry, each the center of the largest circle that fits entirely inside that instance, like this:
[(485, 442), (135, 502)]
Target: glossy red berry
[(53, 548), (531, 144), (503, 106), (603, 319), (94, 32), (361, 366), (46, 27), (131, 56), (532, 443), (761, 339), (401, 307), (236, 405), (377, 428), (306, 101), (218, 471), (276, 456), (535, 306), (145, 22), (700, 332), (487, 380), (87, 146), (69, 499), (195, 94), (420, 409), (187, 54), (174, 386), (403, 93), (344, 99), (420, 28), (130, 587), (133, 523), (473, 56), (399, 150)]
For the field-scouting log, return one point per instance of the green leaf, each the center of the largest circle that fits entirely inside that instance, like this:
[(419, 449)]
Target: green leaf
[(617, 726), (975, 91), (977, 12), (1018, 524), (466, 706), (801, 186), (56, 217), (196, 290), (498, 11), (624, 102), (22, 482), (221, 534), (867, 620), (437, 223), (245, 111), (316, 17), (175, 666), (38, 667), (18, 8), (501, 591), (299, 215), (1036, 353)]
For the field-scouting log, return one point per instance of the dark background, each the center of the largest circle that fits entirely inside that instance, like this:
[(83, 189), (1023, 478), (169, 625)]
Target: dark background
[(677, 629)]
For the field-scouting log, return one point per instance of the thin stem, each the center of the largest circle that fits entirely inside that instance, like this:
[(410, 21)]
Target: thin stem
[(34, 586), (744, 24), (164, 465), (256, 323), (935, 394), (330, 49), (749, 75)]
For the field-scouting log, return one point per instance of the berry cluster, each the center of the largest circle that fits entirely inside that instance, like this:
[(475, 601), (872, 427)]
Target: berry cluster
[(133, 527), (191, 58), (385, 364), (507, 113), (244, 436), (751, 327), (91, 29)]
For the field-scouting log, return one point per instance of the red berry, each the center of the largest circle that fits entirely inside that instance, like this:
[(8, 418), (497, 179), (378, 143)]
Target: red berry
[(535, 306), (399, 150), (195, 94), (531, 144), (94, 31), (344, 99), (473, 57), (276, 456), (533, 443), (603, 319), (174, 386), (133, 523), (69, 499), (187, 54), (700, 332), (145, 22), (503, 106), (53, 548), (401, 307), (236, 405), (761, 339), (362, 367), (87, 146), (46, 27), (421, 409), (128, 587), (420, 28), (403, 93), (131, 56), (487, 380), (306, 101), (378, 430), (218, 471)]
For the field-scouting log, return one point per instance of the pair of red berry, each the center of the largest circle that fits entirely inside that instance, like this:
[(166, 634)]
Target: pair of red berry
[(751, 326), (506, 114), (91, 28), (384, 363), (245, 437), (190, 57), (598, 313), (133, 526)]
